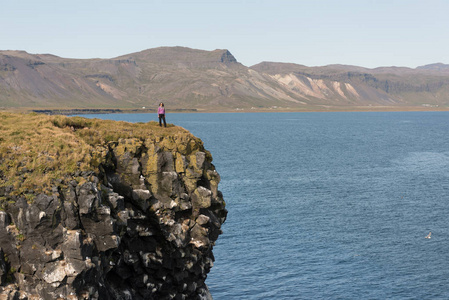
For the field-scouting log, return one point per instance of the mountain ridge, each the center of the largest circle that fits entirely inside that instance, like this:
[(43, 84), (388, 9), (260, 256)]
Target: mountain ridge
[(186, 78)]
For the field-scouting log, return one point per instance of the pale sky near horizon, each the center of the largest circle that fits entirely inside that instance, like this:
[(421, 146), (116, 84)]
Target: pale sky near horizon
[(370, 34)]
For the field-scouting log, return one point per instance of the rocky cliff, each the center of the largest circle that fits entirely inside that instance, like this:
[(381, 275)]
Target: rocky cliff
[(94, 209)]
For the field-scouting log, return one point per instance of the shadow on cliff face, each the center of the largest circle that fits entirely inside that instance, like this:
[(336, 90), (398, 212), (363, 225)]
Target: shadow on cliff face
[(142, 226)]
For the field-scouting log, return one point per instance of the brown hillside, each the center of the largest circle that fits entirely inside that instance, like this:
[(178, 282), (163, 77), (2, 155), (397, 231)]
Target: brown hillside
[(209, 80)]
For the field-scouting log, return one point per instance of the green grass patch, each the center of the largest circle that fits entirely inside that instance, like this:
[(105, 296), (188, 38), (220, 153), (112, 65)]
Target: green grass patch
[(38, 151)]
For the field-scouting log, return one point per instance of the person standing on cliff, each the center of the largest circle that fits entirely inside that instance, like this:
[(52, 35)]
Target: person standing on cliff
[(161, 114)]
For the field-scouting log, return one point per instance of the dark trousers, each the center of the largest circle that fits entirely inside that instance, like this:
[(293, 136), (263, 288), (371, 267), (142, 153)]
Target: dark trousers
[(162, 117)]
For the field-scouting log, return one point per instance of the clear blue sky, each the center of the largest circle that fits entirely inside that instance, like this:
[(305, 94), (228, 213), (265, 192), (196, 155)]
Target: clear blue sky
[(313, 32)]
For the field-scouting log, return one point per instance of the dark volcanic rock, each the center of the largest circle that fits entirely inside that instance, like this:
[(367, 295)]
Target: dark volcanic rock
[(140, 227)]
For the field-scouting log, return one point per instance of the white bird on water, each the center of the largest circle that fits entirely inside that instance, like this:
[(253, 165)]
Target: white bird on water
[(429, 235)]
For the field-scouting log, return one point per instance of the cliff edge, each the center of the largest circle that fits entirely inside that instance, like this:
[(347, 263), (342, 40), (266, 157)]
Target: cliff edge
[(93, 209)]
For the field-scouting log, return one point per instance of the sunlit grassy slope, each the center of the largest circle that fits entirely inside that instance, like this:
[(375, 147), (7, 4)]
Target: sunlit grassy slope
[(39, 151)]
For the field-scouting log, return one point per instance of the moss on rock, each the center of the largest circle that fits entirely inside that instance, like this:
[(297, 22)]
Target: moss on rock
[(38, 150), (105, 210)]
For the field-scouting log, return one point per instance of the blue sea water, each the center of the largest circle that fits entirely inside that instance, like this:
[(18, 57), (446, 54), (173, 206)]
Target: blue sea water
[(328, 205)]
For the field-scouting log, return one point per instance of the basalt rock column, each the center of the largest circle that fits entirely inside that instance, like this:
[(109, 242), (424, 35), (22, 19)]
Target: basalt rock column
[(140, 225)]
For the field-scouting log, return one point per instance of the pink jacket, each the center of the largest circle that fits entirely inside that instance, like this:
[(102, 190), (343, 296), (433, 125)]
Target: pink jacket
[(161, 110)]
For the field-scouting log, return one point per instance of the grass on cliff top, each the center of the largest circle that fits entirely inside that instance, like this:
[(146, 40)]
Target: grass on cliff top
[(38, 150)]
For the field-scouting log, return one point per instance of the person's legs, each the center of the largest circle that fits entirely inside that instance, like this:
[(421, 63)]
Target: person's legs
[(163, 118), (160, 117)]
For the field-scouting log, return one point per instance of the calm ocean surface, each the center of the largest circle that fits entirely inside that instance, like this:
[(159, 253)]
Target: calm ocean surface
[(328, 205)]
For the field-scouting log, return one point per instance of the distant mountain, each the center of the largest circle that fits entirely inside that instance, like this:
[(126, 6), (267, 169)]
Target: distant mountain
[(435, 67), (354, 86), (210, 80)]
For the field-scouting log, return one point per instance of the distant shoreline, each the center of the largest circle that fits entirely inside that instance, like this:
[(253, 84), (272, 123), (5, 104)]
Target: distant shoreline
[(91, 111), (87, 111)]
